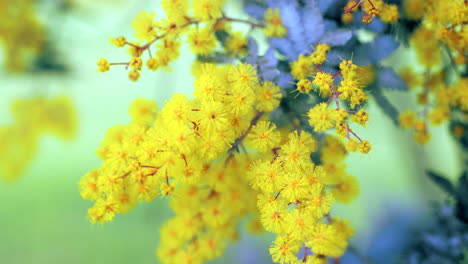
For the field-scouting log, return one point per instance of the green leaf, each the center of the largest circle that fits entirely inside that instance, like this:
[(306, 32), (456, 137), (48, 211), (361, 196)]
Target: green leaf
[(442, 182), (216, 57), (385, 105), (462, 197)]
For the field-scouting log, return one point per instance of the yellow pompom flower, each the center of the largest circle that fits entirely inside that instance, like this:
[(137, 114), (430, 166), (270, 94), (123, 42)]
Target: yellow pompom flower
[(304, 86), (407, 119), (294, 155), (103, 211), (343, 227), (243, 74), (266, 176), (321, 118), (438, 115), (136, 63), (177, 110), (302, 68), (89, 185), (414, 9), (364, 147), (145, 26), (236, 44), (303, 140), (320, 54), (119, 42), (143, 111), (284, 249), (299, 223), (241, 99), (213, 116), (324, 240), (295, 187), (152, 64), (103, 65), (175, 9), (273, 216), (389, 13), (411, 78), (201, 40), (134, 75), (323, 80), (263, 136), (273, 24), (346, 190), (268, 96), (352, 145), (361, 117), (422, 137), (318, 202), (204, 10)]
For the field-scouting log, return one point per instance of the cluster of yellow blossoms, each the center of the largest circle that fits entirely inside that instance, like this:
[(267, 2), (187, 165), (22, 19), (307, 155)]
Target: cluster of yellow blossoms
[(296, 196), (21, 33), (218, 156), (33, 117), (191, 150), (443, 29), (197, 24), (349, 90), (388, 13)]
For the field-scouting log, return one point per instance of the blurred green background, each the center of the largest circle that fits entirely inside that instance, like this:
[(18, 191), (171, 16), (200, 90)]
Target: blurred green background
[(42, 216)]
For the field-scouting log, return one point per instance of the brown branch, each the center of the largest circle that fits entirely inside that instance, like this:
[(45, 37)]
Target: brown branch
[(241, 138)]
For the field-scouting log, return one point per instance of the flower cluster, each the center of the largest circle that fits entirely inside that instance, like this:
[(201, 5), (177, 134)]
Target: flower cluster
[(32, 118), (295, 196), (370, 9), (349, 90), (198, 25), (186, 150), (243, 147), (21, 33), (442, 93)]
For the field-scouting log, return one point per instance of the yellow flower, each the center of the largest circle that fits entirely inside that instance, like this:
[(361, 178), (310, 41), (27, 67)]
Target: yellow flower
[(273, 217), (136, 63), (320, 54), (389, 13), (323, 80), (324, 240), (407, 119), (243, 74), (302, 67), (284, 249), (202, 41), (204, 10), (263, 136), (295, 187), (268, 96), (364, 147), (145, 26), (318, 202), (321, 118), (118, 42), (304, 86), (361, 117), (213, 116), (143, 111), (103, 65), (273, 24), (134, 75), (152, 64), (236, 44), (346, 190)]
